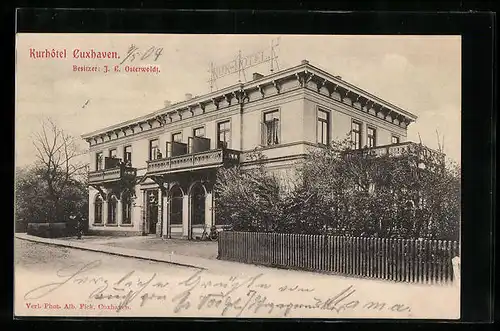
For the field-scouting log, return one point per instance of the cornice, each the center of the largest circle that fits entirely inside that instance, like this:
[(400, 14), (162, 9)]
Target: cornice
[(308, 77)]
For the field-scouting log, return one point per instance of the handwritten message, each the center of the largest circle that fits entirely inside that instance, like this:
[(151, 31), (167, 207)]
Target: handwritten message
[(199, 293)]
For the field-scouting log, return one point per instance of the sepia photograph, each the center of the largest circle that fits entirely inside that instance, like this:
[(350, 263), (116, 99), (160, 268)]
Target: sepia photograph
[(237, 176)]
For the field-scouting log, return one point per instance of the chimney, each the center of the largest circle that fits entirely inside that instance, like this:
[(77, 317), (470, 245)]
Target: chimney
[(167, 103), (257, 75), (189, 96)]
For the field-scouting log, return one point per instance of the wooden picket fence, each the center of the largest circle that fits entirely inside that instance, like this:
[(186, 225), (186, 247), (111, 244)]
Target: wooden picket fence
[(406, 260)]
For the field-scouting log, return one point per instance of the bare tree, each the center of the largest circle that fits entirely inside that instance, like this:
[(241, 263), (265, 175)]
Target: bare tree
[(57, 158)]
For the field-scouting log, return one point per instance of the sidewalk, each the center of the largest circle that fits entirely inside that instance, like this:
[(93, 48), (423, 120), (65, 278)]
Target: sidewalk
[(159, 252), (105, 245)]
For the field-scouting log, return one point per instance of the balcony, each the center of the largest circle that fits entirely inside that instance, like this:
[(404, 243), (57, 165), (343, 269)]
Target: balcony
[(201, 160), (110, 175), (424, 154)]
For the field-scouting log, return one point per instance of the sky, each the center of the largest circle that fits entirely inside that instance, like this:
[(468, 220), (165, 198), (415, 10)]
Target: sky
[(421, 74)]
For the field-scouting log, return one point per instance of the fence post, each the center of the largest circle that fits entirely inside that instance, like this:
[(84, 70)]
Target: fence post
[(294, 251), (310, 242), (310, 250), (450, 262), (410, 251), (433, 260), (360, 251), (440, 261), (336, 254), (407, 260), (427, 261), (341, 262), (219, 247), (351, 247), (366, 258), (403, 260)]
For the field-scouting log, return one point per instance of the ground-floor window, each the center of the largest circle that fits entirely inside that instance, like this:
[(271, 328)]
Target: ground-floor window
[(176, 206), (98, 210), (112, 207), (126, 208), (198, 204)]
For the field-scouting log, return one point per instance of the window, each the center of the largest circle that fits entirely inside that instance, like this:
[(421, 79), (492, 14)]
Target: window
[(371, 137), (112, 210), (356, 134), (199, 132), (323, 127), (98, 210), (176, 206), (198, 205), (395, 140), (98, 161), (223, 134), (112, 153), (271, 129), (177, 137), (154, 150), (126, 208), (127, 155)]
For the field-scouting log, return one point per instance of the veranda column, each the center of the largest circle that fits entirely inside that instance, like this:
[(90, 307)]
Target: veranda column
[(119, 213), (166, 219), (143, 212), (105, 211), (208, 209), (159, 224), (91, 215), (185, 216)]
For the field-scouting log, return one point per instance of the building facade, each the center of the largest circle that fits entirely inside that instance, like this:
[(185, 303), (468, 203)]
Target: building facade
[(155, 174)]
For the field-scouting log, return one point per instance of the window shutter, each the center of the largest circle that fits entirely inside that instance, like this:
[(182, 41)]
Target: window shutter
[(263, 134), (277, 129)]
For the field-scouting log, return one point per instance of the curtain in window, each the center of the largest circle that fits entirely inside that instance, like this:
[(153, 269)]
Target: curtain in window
[(272, 132)]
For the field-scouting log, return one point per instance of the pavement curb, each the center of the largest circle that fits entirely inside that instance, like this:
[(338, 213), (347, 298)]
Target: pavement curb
[(102, 249)]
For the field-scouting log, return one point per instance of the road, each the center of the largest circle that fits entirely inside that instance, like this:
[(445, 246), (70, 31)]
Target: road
[(58, 281)]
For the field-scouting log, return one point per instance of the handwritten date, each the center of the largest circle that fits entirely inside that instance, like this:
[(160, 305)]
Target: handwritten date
[(135, 53)]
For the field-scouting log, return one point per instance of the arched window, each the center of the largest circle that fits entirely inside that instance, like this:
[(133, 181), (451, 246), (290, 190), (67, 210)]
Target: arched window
[(176, 205), (98, 210), (198, 204), (112, 210), (126, 208)]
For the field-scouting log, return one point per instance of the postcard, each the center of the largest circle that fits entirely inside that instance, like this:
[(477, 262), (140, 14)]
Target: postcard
[(237, 176)]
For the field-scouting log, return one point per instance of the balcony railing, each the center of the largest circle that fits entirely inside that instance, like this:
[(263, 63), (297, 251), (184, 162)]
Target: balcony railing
[(112, 175), (207, 159), (407, 148)]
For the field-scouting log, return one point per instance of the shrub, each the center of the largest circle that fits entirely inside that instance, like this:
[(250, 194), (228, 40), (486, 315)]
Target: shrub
[(48, 230), (343, 192)]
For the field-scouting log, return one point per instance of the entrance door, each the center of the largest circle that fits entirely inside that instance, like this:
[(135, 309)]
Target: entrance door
[(152, 210), (197, 211), (175, 212)]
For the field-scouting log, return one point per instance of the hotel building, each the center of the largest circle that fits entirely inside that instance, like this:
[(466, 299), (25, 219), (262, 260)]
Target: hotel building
[(155, 174)]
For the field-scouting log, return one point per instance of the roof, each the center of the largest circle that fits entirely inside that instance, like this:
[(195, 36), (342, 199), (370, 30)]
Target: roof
[(320, 76)]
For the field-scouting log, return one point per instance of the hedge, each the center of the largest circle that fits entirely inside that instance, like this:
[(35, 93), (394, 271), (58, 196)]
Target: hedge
[(49, 230)]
